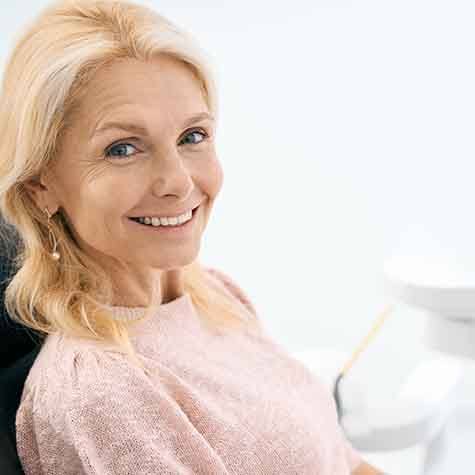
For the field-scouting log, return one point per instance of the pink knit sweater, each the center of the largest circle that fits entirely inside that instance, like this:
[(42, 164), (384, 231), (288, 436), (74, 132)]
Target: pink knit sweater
[(215, 404)]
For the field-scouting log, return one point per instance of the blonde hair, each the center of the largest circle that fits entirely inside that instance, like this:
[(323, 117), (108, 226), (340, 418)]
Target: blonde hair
[(44, 79)]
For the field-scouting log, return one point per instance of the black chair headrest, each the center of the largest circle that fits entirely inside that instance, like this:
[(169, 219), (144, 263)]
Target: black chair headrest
[(16, 340), (19, 347)]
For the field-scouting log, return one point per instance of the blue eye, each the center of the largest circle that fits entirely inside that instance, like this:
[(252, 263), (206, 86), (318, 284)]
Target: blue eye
[(194, 133), (123, 147)]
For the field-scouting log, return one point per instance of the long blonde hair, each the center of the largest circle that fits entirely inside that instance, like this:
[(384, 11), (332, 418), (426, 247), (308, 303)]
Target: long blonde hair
[(45, 77)]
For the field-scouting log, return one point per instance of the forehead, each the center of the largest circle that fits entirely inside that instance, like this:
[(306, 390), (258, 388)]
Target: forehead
[(164, 86)]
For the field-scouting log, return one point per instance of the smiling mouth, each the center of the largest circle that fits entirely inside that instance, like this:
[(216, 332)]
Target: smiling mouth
[(137, 217), (193, 212)]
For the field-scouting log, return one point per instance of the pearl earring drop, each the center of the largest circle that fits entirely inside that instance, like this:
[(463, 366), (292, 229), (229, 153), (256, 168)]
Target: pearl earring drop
[(54, 254)]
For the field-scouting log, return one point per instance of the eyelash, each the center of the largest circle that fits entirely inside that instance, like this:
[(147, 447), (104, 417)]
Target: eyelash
[(190, 132)]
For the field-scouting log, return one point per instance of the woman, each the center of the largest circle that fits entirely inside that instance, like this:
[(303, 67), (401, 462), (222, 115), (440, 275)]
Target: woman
[(151, 363)]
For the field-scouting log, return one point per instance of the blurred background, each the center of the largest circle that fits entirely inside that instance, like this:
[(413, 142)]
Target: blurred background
[(346, 137)]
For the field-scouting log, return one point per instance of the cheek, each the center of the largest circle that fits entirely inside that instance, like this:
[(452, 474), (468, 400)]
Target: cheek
[(95, 209), (213, 178), (114, 194)]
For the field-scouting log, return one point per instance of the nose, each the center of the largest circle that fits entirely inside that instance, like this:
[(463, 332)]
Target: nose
[(171, 176)]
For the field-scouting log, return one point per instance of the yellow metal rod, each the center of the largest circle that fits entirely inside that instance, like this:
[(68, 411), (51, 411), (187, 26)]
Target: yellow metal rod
[(367, 339)]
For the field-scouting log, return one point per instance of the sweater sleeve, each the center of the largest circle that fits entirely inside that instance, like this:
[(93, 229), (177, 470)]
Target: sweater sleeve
[(121, 425)]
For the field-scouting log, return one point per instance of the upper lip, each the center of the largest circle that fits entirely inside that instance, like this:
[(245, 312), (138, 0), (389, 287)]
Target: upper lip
[(164, 215)]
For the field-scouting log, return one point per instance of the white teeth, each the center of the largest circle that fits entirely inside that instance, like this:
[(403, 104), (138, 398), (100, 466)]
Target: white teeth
[(154, 221)]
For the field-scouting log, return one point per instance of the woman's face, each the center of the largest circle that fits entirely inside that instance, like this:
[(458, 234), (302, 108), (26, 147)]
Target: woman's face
[(158, 158)]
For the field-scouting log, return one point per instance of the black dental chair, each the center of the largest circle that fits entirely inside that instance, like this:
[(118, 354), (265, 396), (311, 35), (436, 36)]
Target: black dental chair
[(19, 347)]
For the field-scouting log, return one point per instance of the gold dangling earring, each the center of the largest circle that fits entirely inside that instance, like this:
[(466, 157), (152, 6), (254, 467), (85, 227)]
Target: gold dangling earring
[(55, 254)]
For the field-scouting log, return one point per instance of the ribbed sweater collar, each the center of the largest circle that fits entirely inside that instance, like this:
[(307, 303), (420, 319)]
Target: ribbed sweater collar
[(180, 305)]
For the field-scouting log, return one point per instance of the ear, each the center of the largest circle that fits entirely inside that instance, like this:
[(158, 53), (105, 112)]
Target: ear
[(41, 192)]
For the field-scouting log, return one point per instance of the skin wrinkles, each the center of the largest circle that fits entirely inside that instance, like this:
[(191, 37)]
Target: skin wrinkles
[(97, 194), (164, 173)]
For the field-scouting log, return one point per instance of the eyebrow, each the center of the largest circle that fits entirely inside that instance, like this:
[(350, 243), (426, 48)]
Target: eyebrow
[(143, 130)]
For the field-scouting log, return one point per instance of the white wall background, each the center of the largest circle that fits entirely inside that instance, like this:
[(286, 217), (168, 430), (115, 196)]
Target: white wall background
[(346, 136)]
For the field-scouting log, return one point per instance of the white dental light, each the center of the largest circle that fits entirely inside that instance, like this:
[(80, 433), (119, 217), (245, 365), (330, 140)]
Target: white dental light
[(444, 288)]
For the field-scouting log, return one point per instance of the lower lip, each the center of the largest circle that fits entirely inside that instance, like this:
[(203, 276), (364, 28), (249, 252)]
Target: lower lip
[(176, 230)]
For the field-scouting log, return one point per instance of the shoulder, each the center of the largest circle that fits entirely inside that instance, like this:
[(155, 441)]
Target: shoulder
[(232, 287), (74, 383), (81, 402), (67, 372)]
